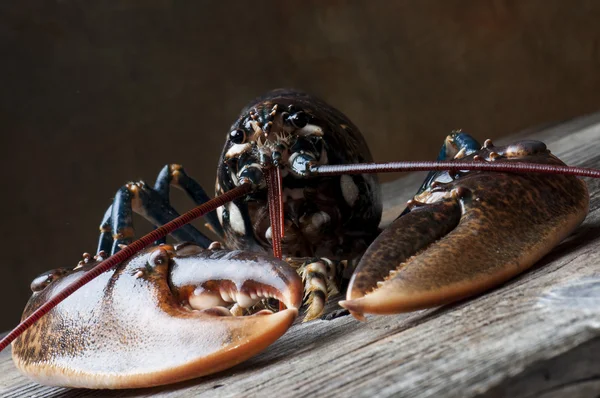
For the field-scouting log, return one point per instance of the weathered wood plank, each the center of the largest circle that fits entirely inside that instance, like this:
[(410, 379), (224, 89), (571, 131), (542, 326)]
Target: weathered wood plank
[(538, 335)]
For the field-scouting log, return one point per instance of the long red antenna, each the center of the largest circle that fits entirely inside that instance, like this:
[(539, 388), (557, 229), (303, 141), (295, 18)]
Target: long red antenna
[(511, 167), (280, 214), (123, 255), (275, 203)]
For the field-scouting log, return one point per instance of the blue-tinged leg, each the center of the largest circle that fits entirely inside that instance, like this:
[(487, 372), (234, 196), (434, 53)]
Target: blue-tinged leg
[(106, 238), (122, 218), (117, 224), (162, 186), (117, 229), (457, 144), (174, 174)]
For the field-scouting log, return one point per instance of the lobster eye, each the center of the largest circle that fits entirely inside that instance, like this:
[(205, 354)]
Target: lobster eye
[(237, 136), (298, 119)]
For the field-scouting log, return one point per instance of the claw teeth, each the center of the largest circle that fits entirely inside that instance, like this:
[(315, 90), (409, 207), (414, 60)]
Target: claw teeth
[(226, 296), (244, 300), (204, 300), (237, 310), (379, 284)]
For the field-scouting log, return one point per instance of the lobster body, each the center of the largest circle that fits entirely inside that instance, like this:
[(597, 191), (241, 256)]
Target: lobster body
[(335, 217)]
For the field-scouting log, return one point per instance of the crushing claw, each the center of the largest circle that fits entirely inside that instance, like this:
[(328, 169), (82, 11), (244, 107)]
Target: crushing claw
[(467, 233), (159, 318)]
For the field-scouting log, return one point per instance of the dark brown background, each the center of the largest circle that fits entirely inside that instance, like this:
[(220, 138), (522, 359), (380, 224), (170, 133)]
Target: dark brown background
[(97, 93)]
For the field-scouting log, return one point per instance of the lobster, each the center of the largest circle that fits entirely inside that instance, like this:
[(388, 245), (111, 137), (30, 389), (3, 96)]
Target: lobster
[(294, 177)]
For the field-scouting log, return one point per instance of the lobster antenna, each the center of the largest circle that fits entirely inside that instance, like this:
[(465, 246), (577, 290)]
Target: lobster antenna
[(275, 203), (510, 167), (123, 255), (279, 186)]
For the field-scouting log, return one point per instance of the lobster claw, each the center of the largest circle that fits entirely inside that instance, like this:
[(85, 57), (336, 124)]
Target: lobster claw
[(469, 232), (158, 318)]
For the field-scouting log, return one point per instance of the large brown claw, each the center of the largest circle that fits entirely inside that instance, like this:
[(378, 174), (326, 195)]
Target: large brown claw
[(470, 232), (158, 319)]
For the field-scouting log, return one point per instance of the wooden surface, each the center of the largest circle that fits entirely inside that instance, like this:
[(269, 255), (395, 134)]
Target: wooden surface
[(536, 336)]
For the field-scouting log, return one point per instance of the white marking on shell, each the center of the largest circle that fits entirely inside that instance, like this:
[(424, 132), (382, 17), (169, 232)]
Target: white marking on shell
[(269, 234), (234, 178), (220, 214), (319, 219), (237, 149), (310, 129), (235, 219), (349, 189), (255, 165)]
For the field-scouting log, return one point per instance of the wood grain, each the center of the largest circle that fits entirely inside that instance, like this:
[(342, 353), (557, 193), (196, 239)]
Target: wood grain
[(538, 335)]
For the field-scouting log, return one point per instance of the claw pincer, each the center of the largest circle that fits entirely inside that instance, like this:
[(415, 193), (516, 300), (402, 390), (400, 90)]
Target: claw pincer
[(158, 318), (468, 232)]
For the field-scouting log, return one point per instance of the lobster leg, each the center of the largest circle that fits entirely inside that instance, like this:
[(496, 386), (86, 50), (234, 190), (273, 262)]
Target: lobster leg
[(174, 174), (106, 239), (321, 278), (139, 198), (171, 174), (457, 145)]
